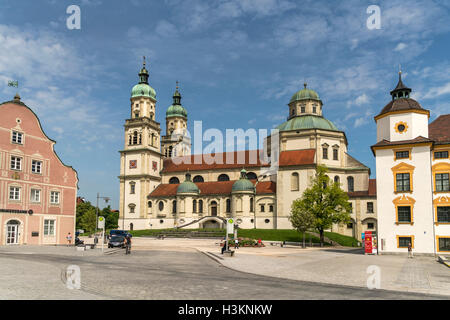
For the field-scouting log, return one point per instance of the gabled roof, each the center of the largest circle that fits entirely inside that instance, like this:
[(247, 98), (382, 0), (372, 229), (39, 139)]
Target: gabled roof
[(296, 157), (439, 129), (212, 188)]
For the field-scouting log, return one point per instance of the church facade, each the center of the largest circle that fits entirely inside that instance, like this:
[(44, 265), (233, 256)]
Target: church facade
[(163, 186), (413, 167)]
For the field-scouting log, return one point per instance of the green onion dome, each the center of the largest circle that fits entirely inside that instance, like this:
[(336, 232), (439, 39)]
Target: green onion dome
[(243, 184), (176, 109), (305, 94), (187, 186), (143, 90), (307, 122)]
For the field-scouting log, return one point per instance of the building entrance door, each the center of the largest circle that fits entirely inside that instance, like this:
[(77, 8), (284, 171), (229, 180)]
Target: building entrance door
[(12, 232), (214, 209)]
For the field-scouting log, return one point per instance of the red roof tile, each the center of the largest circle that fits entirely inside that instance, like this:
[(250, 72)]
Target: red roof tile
[(296, 157), (439, 129), (213, 187)]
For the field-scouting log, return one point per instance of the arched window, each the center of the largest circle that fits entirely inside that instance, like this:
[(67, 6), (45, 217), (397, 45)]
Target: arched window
[(223, 177), (174, 206), (351, 185), (194, 206), (132, 187), (228, 206), (135, 137), (200, 206), (161, 206), (198, 179), (131, 206), (337, 179), (131, 226), (252, 176), (214, 208), (129, 139), (174, 180), (294, 181), (149, 204), (251, 205)]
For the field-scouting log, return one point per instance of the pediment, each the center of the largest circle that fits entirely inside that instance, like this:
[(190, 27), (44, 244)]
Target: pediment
[(442, 200), (403, 200), (443, 166), (403, 167)]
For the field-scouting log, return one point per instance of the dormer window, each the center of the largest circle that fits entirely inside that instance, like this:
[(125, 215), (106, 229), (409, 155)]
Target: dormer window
[(303, 109), (314, 109)]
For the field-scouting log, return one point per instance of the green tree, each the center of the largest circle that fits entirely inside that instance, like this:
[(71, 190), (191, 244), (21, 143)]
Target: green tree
[(111, 218), (82, 208), (301, 217), (88, 220), (326, 202)]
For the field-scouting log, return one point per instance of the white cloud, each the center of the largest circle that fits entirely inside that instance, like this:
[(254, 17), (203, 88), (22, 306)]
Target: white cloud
[(437, 91), (166, 29), (400, 46)]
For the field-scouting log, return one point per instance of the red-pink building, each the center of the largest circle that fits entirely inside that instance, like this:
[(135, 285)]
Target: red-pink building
[(37, 191)]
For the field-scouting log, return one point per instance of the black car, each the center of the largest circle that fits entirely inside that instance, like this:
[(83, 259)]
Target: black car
[(116, 242), (122, 233)]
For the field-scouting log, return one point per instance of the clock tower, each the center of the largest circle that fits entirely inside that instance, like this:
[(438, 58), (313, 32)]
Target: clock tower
[(140, 160)]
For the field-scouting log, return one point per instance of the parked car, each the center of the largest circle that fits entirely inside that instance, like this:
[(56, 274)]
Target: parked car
[(116, 242), (122, 233)]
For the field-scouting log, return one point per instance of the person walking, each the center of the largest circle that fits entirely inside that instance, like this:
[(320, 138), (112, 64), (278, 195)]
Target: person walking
[(410, 253), (224, 246), (127, 244), (69, 239), (236, 243)]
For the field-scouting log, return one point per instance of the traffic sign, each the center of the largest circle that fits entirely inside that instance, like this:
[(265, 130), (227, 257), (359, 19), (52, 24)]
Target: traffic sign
[(230, 226), (101, 222)]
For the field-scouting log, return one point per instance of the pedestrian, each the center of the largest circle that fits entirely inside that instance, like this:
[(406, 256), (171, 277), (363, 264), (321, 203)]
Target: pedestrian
[(224, 246), (236, 243), (259, 242), (127, 244), (410, 253), (69, 239)]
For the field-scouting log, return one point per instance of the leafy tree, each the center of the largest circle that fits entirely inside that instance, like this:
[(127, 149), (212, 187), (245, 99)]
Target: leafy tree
[(111, 218), (82, 208), (325, 201), (301, 217), (88, 220)]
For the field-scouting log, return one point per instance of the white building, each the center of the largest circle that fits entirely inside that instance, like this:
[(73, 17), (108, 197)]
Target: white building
[(412, 168)]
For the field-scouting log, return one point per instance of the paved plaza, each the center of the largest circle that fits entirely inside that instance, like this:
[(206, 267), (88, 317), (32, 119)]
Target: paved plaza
[(194, 269)]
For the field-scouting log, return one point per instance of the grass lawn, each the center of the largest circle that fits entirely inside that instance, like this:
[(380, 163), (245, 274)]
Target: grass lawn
[(345, 241)]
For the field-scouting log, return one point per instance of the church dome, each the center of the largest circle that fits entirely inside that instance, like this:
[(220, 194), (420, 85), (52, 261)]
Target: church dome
[(176, 110), (307, 122), (187, 186), (305, 94), (143, 90), (243, 184)]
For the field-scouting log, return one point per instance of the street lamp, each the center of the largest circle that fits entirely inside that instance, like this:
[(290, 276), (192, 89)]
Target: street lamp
[(96, 211)]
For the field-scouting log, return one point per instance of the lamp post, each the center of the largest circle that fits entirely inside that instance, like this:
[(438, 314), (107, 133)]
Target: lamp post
[(96, 211)]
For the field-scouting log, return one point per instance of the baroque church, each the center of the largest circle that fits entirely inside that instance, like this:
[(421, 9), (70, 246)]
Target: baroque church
[(158, 192)]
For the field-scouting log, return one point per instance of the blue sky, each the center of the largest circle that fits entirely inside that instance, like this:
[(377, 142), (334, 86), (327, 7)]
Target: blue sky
[(238, 63)]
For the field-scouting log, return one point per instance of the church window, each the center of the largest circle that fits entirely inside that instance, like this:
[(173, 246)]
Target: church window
[(251, 176), (223, 177), (336, 179), (314, 109), (194, 206), (325, 152), (132, 187), (228, 207), (129, 139), (294, 181), (271, 208), (335, 154), (170, 151), (140, 138), (135, 137), (174, 206), (161, 206), (149, 204), (200, 206), (262, 208), (198, 179), (174, 180), (251, 205), (351, 184)]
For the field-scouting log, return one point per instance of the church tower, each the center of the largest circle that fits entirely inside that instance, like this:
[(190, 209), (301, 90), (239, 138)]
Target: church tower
[(176, 142), (140, 160)]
